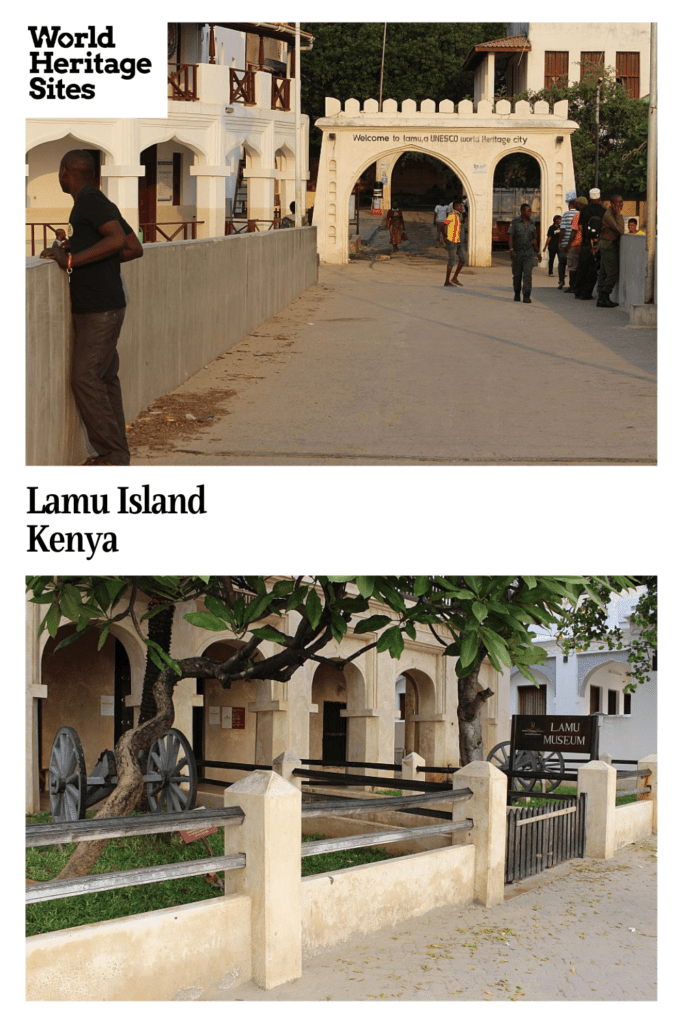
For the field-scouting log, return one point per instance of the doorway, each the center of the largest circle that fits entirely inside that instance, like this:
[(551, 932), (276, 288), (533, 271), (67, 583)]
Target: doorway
[(334, 731)]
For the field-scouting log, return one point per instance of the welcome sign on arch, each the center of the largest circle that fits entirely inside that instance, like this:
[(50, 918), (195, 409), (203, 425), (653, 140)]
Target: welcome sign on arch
[(469, 141)]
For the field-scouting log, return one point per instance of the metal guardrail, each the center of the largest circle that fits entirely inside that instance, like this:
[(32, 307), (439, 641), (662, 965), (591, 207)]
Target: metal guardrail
[(113, 828)]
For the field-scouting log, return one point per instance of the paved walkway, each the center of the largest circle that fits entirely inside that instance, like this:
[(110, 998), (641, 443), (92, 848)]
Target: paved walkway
[(585, 930), (379, 364)]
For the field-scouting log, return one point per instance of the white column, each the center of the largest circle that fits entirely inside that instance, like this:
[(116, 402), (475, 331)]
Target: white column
[(599, 781), (487, 809)]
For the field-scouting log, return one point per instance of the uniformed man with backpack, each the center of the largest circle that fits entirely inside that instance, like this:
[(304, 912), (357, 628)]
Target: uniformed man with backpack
[(610, 238)]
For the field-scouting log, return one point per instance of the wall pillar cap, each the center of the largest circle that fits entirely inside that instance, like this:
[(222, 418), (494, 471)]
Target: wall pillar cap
[(261, 782), (483, 769), (413, 759), (597, 766)]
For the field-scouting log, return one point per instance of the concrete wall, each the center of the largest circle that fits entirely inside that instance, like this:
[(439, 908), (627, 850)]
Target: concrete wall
[(167, 954), (359, 901), (632, 822), (187, 303)]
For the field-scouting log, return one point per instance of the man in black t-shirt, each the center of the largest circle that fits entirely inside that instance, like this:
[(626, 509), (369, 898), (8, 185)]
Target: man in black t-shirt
[(99, 241)]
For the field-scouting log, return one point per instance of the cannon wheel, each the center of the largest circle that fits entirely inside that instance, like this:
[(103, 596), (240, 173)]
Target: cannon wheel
[(553, 764), (171, 774), (68, 780), (524, 761)]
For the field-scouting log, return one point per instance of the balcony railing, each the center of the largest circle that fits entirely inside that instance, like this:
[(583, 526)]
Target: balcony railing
[(182, 82), (37, 236), (247, 227), (151, 230), (279, 95), (243, 87)]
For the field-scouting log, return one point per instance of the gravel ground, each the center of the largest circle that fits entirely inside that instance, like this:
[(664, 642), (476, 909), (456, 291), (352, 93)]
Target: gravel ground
[(585, 930)]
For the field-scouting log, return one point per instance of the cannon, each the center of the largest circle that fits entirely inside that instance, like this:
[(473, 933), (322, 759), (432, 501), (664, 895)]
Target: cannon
[(550, 764), (170, 776)]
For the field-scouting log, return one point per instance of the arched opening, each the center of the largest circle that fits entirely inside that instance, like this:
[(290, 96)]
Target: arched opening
[(420, 181), (167, 193), (528, 699), (328, 726), (88, 690), (223, 727), (516, 180), (415, 707), (47, 207), (603, 690)]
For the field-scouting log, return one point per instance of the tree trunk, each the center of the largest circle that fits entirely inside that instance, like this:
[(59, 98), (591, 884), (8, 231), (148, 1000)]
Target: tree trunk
[(470, 701), (126, 795), (160, 629)]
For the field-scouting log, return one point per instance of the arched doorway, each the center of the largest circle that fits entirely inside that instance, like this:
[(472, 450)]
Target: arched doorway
[(516, 180), (420, 181), (329, 725), (223, 727), (46, 204), (167, 192), (469, 141), (416, 708)]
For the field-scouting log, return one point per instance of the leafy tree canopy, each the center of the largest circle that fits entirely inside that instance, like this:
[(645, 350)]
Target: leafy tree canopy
[(421, 61), (622, 133), (477, 616)]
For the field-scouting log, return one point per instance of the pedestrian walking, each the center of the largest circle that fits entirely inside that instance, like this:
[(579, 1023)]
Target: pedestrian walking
[(565, 232), (552, 242), (523, 252), (440, 214), (454, 244), (610, 239), (396, 225), (100, 240), (587, 270)]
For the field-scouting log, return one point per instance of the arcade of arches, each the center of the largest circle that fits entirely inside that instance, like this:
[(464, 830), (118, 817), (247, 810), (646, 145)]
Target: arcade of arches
[(353, 713), (470, 143)]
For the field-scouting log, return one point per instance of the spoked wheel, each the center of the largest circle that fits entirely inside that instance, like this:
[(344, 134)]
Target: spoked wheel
[(553, 764), (67, 777), (525, 761), (171, 774)]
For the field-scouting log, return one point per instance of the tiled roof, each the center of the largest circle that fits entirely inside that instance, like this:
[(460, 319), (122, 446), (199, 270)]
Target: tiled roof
[(510, 44)]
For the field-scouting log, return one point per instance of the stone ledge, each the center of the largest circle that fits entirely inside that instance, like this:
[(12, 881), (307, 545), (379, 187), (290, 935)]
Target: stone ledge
[(643, 316)]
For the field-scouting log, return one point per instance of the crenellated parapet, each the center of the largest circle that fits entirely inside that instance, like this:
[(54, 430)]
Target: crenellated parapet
[(447, 108)]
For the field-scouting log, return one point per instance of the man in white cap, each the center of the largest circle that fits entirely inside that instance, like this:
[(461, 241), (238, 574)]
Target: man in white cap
[(587, 271)]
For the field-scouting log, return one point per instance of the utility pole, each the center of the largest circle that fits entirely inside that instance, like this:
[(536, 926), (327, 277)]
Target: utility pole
[(299, 210), (597, 134), (651, 227), (381, 75)]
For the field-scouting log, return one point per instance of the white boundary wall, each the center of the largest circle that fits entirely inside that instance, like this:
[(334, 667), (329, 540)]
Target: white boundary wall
[(187, 302)]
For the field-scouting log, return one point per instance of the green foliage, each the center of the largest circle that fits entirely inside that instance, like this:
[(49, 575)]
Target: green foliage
[(622, 134), (586, 624), (476, 616), (421, 61)]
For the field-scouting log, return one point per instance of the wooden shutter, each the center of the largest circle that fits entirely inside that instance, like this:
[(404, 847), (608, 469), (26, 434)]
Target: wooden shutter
[(591, 61), (556, 68), (628, 73)]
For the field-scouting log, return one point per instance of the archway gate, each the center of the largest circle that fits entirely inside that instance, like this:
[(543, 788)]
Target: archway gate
[(468, 141)]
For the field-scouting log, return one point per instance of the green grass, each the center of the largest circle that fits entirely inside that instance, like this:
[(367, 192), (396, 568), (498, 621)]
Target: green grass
[(44, 862), (325, 862), (565, 791)]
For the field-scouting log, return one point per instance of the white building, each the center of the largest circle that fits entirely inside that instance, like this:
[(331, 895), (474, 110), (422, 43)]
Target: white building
[(535, 55), (225, 152), (593, 682)]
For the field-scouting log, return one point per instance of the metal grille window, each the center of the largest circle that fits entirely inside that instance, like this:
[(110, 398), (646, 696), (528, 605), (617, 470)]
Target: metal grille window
[(591, 62), (556, 68), (628, 73)]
